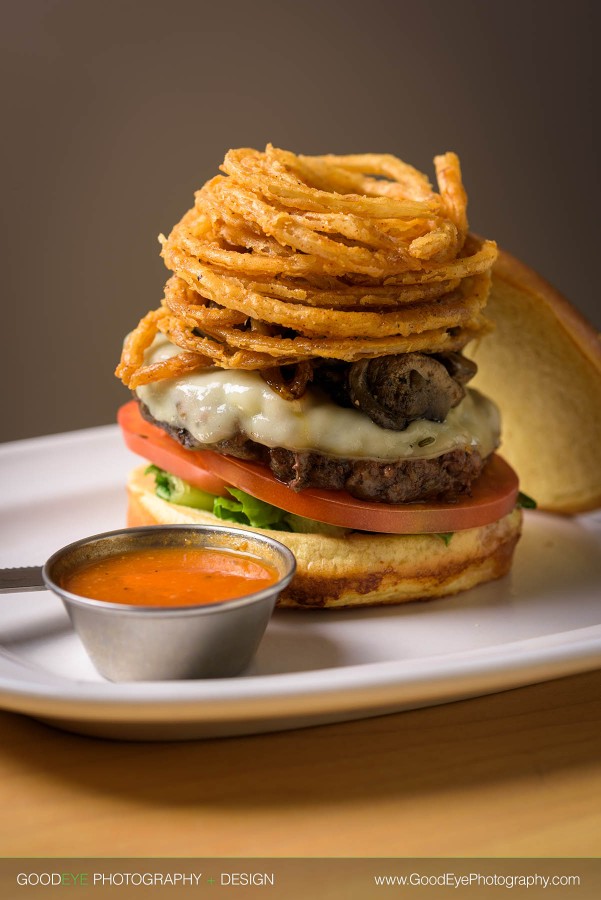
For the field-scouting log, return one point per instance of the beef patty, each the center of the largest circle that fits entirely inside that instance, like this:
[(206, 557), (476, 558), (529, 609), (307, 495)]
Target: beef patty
[(444, 477)]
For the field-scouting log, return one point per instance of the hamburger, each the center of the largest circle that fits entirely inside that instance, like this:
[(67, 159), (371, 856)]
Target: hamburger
[(305, 375)]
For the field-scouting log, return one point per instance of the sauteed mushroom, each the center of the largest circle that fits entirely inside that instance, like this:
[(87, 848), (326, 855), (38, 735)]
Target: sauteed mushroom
[(395, 390)]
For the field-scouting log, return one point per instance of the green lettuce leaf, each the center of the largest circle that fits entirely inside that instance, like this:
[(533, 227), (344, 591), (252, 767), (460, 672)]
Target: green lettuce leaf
[(525, 502), (247, 510), (176, 490), (303, 525), (239, 507)]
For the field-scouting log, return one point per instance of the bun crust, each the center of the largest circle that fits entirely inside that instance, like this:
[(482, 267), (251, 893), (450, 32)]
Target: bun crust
[(362, 569), (542, 366)]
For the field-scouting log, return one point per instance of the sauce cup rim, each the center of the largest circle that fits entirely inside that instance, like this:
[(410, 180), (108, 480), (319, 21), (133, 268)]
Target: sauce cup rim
[(221, 606)]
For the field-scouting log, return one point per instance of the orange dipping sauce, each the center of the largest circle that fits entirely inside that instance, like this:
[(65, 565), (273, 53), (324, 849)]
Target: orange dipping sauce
[(171, 576)]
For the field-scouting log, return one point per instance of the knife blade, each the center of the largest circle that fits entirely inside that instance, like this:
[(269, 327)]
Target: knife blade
[(22, 578)]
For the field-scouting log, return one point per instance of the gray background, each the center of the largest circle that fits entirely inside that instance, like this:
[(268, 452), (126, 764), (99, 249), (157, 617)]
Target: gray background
[(115, 112)]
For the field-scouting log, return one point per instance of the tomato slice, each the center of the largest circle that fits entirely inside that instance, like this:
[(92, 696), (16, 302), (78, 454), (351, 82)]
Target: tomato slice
[(494, 493), (157, 447)]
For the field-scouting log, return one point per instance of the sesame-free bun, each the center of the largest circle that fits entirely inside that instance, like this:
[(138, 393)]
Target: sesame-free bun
[(360, 569), (542, 366)]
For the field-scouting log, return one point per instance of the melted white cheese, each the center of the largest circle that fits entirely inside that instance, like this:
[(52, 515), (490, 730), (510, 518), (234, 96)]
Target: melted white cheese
[(217, 404)]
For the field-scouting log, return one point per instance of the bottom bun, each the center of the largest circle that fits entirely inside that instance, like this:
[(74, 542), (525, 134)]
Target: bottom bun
[(360, 569)]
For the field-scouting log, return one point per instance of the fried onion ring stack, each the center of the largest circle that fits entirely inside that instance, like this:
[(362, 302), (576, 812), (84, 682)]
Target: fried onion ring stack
[(285, 260)]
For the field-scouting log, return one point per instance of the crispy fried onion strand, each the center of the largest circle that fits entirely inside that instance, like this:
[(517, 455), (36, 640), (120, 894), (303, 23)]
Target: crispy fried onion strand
[(286, 259)]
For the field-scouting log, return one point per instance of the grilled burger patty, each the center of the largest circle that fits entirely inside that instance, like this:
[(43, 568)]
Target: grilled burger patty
[(388, 481)]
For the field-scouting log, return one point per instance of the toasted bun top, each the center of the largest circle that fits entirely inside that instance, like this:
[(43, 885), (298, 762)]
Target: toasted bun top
[(542, 365)]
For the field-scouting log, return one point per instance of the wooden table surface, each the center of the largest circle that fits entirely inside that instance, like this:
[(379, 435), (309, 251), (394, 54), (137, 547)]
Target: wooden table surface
[(512, 774)]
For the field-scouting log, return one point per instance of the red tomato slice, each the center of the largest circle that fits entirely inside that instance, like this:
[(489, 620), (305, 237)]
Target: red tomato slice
[(494, 494), (157, 447)]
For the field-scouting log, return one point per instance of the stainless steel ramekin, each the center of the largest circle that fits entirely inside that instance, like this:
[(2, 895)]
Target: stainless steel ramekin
[(149, 643)]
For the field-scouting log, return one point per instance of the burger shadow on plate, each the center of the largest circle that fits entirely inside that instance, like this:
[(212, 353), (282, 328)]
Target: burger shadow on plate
[(286, 649), (556, 560)]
